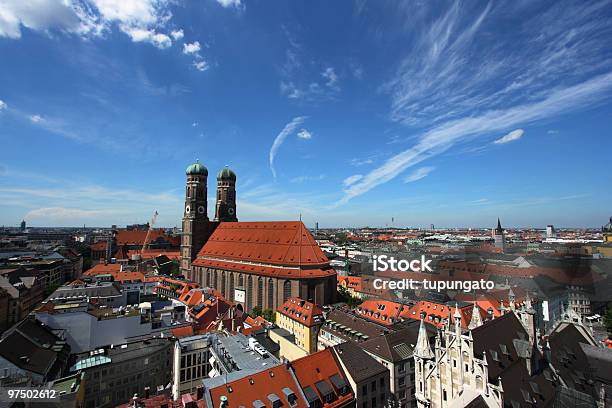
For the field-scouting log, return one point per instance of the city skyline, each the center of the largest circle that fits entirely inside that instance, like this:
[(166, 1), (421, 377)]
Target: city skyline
[(349, 116)]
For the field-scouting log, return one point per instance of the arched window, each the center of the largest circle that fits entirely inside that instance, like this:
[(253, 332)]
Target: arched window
[(215, 283), (241, 280), (286, 290), (223, 284), (231, 288), (207, 277), (270, 293), (249, 292), (260, 292)]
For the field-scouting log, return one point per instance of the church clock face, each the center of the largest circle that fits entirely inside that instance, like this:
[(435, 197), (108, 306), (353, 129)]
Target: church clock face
[(201, 209), (230, 211), (187, 209)]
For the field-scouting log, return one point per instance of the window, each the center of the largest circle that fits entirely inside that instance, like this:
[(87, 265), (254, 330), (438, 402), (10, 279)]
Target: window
[(286, 290), (402, 381), (270, 293), (364, 390), (249, 294), (382, 383), (402, 367), (223, 284), (260, 292), (373, 388)]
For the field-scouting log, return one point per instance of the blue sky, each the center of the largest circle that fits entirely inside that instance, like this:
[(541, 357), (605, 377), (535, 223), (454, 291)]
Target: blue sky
[(349, 113)]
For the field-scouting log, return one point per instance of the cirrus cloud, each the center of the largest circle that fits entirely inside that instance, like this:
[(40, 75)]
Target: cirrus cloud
[(280, 138), (510, 137)]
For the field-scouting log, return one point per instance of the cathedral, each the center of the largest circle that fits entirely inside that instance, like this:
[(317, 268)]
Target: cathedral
[(254, 264)]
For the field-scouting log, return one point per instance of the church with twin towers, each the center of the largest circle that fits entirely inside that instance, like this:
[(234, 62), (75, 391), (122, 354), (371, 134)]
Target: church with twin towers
[(254, 264)]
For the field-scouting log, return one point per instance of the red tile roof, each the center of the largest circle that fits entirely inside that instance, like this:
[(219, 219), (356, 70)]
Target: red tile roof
[(129, 276), (137, 237), (182, 331), (287, 243), (152, 253), (101, 269), (245, 391), (306, 313), (381, 311), (98, 246), (320, 366), (441, 312), (115, 270)]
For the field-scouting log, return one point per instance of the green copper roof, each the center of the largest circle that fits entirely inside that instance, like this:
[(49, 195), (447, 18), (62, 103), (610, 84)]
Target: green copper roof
[(226, 174), (197, 168), (608, 226)]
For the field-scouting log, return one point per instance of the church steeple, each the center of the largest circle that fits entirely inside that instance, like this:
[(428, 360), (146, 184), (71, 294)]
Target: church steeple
[(476, 320), (225, 208), (195, 216), (499, 237), (423, 348)]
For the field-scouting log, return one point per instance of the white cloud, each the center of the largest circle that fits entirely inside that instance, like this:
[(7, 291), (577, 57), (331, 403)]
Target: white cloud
[(280, 138), (352, 179), (177, 34), (331, 77), (141, 20), (302, 179), (229, 3), (62, 214), (36, 118), (194, 124), (442, 137), (138, 34), (510, 137), (200, 65), (418, 174), (356, 161), (38, 15), (191, 48), (304, 134), (3, 105)]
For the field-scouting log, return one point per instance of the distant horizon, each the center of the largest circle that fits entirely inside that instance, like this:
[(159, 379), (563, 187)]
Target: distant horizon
[(312, 226)]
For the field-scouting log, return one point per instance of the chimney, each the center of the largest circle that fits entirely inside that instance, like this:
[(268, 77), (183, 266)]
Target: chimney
[(223, 401), (147, 393)]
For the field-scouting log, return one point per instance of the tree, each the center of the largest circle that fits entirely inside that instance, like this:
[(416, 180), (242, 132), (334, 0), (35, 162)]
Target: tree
[(269, 315), (346, 297), (256, 311)]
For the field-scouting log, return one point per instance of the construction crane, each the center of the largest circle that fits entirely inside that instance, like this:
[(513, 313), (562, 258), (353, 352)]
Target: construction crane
[(145, 244)]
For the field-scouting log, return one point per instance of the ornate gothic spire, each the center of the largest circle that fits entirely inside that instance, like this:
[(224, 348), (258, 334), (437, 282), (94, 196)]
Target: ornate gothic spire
[(423, 349), (476, 320)]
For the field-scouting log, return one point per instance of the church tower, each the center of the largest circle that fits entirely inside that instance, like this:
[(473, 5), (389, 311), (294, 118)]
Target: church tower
[(500, 238), (195, 216), (225, 209)]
